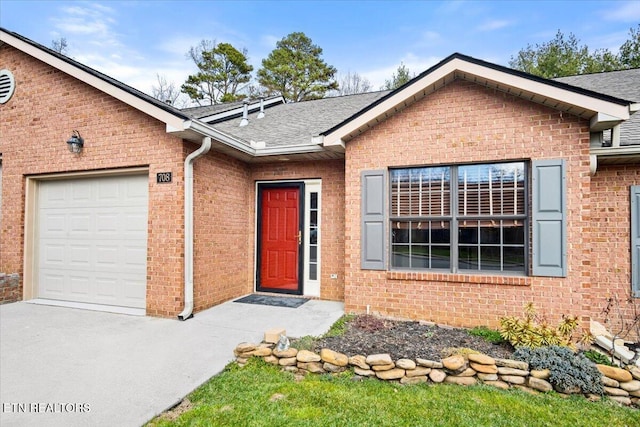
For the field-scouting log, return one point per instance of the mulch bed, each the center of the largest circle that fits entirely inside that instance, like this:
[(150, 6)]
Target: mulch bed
[(368, 335)]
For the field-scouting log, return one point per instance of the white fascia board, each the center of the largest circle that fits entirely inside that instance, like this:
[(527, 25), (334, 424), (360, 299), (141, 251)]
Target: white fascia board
[(458, 65), (601, 121), (623, 150), (206, 130), (289, 149), (91, 80), (634, 107)]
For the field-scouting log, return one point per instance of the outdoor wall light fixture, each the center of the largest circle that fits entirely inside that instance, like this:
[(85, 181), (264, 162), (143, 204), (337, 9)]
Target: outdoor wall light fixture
[(75, 143)]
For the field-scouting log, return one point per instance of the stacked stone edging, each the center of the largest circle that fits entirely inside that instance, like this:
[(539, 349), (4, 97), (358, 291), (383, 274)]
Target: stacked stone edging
[(10, 290), (620, 385)]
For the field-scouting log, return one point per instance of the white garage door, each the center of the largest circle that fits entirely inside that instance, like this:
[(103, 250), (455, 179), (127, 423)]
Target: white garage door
[(92, 240)]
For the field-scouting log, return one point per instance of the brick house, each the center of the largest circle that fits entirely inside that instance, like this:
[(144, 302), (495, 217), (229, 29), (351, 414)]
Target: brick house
[(456, 198)]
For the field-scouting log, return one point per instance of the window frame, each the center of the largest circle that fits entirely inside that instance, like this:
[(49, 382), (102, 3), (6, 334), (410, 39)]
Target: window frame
[(454, 218)]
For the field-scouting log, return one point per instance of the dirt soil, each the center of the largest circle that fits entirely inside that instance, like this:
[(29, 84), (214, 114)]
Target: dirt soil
[(368, 335)]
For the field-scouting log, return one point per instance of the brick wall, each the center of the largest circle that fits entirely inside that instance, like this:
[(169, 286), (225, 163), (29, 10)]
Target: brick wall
[(36, 123), (464, 123), (332, 215), (611, 246)]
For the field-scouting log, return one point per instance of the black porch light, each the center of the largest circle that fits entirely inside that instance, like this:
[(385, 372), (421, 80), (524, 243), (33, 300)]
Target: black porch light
[(75, 143)]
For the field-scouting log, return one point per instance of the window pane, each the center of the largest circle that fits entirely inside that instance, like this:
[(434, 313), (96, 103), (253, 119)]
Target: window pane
[(313, 238), (400, 256), (468, 232), (490, 233), (419, 232), (419, 257), (420, 192), (440, 257), (314, 218), (490, 258), (400, 232), (514, 259), (468, 258), (313, 271), (440, 232), (494, 189), (314, 200), (313, 253), (513, 234)]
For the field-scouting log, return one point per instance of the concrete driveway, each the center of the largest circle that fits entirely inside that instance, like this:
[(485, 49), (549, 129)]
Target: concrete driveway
[(70, 367)]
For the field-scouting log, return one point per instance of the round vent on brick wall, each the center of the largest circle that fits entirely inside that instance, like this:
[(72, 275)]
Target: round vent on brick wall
[(7, 85)]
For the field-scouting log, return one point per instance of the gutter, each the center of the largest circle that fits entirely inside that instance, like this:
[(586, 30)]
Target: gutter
[(187, 312)]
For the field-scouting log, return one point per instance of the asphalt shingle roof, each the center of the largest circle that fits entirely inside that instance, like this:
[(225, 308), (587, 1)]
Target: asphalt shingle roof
[(623, 84), (296, 123)]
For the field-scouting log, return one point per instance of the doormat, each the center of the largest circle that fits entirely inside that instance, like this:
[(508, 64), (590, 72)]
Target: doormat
[(274, 301)]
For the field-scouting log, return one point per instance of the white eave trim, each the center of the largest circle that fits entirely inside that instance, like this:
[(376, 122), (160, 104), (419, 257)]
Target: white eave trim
[(623, 150), (438, 76), (92, 80), (206, 130)]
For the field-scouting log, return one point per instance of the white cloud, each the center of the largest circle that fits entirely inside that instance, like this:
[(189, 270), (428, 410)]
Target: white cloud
[(414, 63), (494, 24), (625, 12)]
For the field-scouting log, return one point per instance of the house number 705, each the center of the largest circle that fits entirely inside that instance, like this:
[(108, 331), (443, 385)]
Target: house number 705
[(163, 177)]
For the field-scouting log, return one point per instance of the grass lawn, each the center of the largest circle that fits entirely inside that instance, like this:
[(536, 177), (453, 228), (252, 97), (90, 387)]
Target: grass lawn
[(261, 395)]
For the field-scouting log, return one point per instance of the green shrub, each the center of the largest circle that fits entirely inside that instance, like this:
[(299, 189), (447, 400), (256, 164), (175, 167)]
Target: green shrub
[(490, 335), (533, 331), (568, 370), (597, 357)]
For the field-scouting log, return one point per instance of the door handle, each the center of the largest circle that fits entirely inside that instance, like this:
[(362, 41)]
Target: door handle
[(299, 237)]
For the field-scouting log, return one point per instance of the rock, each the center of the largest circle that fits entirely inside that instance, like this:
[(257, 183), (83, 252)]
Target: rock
[(487, 377), (437, 375), (620, 351), (513, 379), (609, 382), (482, 359), (429, 363), (615, 373), (261, 352), (276, 397), (413, 380), (313, 367), (383, 367), (542, 374), (630, 386), (271, 359), (515, 364), (405, 364), (499, 384), (330, 367), (391, 374), (292, 369), (612, 391), (359, 361), (288, 361), (378, 359), (307, 356), (245, 347), (567, 390), (419, 371), (469, 372), (334, 357), (526, 389), (597, 328), (485, 369), (621, 400), (512, 371), (635, 371), (460, 380), (273, 335), (454, 363), (539, 384), (593, 397), (290, 352), (364, 372), (635, 393)]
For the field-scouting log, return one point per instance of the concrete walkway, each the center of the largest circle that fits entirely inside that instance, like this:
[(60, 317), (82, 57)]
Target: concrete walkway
[(69, 367)]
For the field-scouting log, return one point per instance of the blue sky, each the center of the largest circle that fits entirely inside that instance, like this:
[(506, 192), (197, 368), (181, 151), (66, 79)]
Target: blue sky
[(133, 41)]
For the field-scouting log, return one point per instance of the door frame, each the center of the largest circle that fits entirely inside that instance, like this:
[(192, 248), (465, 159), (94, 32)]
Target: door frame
[(301, 196)]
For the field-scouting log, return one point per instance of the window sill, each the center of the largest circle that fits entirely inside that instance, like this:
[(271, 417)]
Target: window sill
[(459, 278)]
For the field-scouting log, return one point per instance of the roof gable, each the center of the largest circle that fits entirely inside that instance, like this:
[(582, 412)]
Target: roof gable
[(603, 111)]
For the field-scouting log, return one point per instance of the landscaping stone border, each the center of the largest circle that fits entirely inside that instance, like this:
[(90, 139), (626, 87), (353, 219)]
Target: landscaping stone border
[(10, 290), (620, 385)]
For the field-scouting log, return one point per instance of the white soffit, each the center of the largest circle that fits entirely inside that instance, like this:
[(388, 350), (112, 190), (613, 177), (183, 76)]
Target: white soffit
[(552, 96)]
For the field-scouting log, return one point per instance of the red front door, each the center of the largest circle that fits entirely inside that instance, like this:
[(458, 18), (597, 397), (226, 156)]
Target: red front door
[(279, 238)]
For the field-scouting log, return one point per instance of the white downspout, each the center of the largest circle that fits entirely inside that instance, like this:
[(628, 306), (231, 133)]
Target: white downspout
[(188, 227)]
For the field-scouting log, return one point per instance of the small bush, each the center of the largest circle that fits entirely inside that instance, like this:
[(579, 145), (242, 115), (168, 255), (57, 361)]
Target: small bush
[(339, 327), (490, 335), (597, 357), (369, 323), (533, 331), (568, 370)]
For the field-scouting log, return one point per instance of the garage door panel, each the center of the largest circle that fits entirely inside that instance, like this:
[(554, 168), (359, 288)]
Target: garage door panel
[(93, 240)]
